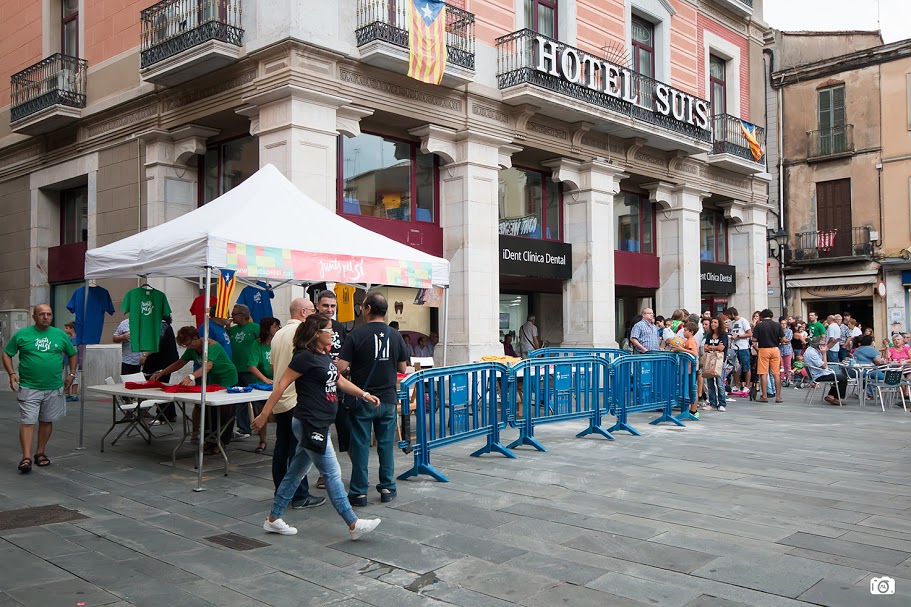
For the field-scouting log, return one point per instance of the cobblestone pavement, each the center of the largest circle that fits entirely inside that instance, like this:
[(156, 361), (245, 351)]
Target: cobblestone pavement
[(767, 505)]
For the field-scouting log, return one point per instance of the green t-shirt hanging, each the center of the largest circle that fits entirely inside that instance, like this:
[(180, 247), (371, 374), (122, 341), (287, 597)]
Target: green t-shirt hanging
[(243, 340), (261, 358), (40, 353), (146, 308), (223, 372)]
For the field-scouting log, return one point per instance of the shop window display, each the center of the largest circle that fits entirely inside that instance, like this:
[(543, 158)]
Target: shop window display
[(530, 204)]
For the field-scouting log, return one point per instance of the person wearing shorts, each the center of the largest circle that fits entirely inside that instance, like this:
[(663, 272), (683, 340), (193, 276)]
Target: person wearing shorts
[(769, 336), (39, 383)]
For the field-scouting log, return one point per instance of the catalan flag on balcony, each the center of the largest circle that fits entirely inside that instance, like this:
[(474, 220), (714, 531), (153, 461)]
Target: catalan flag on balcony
[(749, 131), (226, 281), (427, 41)]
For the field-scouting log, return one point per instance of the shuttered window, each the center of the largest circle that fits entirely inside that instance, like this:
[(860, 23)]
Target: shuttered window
[(832, 133), (833, 212)]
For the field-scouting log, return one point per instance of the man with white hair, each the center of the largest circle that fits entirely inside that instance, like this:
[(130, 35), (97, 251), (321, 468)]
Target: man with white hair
[(528, 337)]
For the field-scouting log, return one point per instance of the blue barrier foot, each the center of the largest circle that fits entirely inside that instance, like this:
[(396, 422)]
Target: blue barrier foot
[(687, 415), (623, 426), (494, 448), (596, 430), (667, 417), (526, 440), (423, 469)]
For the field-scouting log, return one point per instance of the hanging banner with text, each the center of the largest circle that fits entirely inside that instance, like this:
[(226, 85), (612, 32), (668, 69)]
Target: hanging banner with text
[(535, 258)]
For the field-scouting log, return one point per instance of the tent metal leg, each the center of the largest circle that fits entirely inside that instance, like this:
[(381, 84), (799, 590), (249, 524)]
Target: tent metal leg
[(202, 400), (80, 345)]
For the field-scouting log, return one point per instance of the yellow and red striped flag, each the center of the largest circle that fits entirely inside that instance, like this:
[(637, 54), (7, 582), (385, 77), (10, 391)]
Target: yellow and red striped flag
[(427, 41), (226, 282), (749, 131)]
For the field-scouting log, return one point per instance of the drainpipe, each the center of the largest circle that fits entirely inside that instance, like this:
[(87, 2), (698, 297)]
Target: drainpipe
[(780, 136)]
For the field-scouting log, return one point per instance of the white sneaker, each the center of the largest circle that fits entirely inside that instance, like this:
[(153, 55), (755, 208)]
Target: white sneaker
[(721, 408), (361, 527), (279, 526)]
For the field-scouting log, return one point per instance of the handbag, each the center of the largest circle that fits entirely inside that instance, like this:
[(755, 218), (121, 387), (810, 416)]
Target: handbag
[(712, 364)]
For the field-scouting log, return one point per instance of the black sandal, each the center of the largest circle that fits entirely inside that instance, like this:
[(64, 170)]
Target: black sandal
[(41, 460), (260, 448), (25, 466)]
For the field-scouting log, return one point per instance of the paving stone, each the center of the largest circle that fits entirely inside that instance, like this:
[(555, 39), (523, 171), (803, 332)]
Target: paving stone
[(494, 552), (282, 590), (579, 596), (646, 591), (65, 593), (837, 594), (21, 569), (142, 538), (405, 555), (885, 522), (218, 594), (500, 581), (42, 542), (639, 551), (861, 552), (159, 570), (456, 595), (217, 564), (555, 568), (462, 513), (713, 601)]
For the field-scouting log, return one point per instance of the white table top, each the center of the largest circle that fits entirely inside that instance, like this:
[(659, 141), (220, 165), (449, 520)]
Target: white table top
[(212, 398)]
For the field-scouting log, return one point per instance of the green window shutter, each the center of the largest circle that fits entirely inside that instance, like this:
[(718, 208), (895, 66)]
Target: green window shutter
[(825, 109), (838, 106)]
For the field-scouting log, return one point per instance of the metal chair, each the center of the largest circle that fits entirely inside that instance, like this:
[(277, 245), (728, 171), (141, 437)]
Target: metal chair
[(130, 412), (817, 384), (890, 383)]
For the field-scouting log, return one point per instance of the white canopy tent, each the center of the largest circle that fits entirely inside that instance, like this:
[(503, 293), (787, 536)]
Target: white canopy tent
[(304, 242)]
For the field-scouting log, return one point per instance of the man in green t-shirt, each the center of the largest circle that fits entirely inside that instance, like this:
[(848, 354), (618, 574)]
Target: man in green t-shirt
[(243, 335), (39, 383), (814, 327)]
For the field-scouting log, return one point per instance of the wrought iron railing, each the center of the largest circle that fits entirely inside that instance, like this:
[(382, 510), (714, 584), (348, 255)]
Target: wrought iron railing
[(57, 80), (388, 20), (746, 2), (830, 244), (729, 138), (173, 26), (516, 65), (830, 142)]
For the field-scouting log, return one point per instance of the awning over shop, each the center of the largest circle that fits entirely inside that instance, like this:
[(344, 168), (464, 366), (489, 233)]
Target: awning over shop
[(825, 282)]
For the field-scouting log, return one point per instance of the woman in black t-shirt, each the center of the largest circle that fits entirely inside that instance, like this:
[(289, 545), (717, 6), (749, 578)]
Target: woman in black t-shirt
[(716, 340), (315, 378)]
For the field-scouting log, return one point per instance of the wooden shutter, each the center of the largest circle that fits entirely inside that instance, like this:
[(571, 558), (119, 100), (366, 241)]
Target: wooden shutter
[(833, 212)]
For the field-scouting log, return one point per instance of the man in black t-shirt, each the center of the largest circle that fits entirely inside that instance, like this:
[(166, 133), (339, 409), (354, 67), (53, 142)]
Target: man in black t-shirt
[(327, 305), (375, 353), (769, 336)]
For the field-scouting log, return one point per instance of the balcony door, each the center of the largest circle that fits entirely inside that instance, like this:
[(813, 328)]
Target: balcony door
[(718, 96), (69, 28), (833, 138), (833, 212), (541, 17)]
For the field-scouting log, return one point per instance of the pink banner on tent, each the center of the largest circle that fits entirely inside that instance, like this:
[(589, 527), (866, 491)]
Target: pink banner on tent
[(270, 262)]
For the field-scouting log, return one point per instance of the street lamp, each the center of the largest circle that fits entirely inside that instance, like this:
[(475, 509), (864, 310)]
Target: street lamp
[(778, 244)]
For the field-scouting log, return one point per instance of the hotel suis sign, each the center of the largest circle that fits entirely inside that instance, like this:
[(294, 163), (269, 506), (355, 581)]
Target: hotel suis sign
[(602, 76), (535, 258)]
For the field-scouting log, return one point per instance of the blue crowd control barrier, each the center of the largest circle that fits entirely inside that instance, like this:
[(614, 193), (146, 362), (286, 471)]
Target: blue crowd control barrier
[(453, 404), (687, 372), (556, 390), (609, 354), (645, 383)]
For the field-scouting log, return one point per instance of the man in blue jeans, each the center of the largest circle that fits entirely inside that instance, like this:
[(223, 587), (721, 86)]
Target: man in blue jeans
[(375, 353)]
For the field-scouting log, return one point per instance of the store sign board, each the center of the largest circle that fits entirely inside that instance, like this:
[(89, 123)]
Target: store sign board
[(836, 291), (535, 258), (586, 70), (717, 277)]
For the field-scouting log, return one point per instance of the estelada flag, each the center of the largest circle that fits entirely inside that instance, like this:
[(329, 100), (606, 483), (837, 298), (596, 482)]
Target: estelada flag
[(226, 282), (427, 41), (749, 131)]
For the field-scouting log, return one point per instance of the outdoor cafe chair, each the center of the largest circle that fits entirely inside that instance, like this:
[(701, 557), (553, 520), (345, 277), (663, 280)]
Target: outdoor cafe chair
[(821, 384), (890, 383)]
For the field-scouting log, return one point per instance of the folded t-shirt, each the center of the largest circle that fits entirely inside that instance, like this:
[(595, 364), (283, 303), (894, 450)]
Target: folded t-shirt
[(177, 388), (261, 386), (144, 385)]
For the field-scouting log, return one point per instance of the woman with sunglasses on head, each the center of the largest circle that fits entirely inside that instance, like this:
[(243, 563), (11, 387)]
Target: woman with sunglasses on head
[(316, 379)]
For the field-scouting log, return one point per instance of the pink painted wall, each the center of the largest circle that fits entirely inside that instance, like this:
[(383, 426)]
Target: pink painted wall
[(600, 23), (20, 40), (493, 18), (111, 27), (684, 57), (706, 24)]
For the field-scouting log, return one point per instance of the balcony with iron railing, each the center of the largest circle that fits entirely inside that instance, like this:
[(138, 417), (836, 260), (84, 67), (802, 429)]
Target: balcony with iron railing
[(854, 244), (185, 39), (383, 33), (543, 72), (826, 144), (730, 147), (47, 95)]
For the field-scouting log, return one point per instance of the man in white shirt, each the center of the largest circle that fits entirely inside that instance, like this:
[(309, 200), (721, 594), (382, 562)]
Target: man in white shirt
[(528, 337), (740, 336), (833, 338)]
